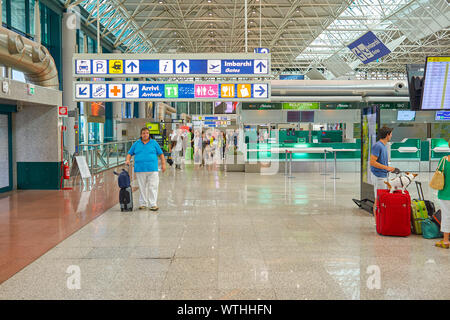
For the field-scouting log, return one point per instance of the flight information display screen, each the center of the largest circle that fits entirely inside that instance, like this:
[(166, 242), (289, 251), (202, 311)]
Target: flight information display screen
[(293, 116), (406, 115), (436, 89)]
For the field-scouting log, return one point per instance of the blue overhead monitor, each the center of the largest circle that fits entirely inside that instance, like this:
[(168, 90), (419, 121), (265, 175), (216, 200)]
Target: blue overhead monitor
[(406, 115), (442, 116)]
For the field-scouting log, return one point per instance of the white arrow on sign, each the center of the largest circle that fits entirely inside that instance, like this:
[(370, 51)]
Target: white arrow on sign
[(260, 66), (132, 66), (182, 66), (83, 91), (260, 91)]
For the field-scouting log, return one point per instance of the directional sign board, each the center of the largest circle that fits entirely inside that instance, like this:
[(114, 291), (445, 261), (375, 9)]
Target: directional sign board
[(368, 48), (170, 65), (181, 91)]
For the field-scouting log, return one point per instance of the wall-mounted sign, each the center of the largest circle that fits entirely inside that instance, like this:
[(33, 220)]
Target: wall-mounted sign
[(292, 77), (392, 105), (300, 105), (368, 48), (63, 111), (149, 91), (31, 89), (5, 87), (181, 65), (338, 105), (261, 106)]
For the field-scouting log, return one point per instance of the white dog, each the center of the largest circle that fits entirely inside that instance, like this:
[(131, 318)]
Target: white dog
[(401, 182)]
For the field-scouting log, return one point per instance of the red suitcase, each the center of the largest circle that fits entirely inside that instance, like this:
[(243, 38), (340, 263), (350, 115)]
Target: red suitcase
[(393, 213)]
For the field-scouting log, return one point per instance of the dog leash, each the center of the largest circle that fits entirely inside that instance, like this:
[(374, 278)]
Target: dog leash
[(401, 181)]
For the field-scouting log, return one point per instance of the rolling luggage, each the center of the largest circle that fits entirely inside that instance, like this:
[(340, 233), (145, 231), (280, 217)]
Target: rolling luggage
[(393, 213), (428, 204), (125, 193), (418, 214), (126, 199)]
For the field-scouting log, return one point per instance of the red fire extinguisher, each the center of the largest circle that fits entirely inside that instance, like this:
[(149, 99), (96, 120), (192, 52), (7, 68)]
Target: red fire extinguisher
[(66, 171)]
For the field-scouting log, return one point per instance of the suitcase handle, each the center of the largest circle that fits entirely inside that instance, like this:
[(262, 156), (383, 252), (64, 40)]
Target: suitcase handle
[(420, 191)]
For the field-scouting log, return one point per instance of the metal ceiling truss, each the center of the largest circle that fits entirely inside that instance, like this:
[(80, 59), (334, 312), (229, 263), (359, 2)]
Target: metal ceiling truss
[(301, 34)]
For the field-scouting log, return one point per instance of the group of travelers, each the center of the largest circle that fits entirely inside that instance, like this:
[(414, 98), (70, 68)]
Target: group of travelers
[(380, 169)]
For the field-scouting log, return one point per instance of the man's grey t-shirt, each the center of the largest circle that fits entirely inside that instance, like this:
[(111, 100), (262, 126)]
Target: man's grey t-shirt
[(379, 150)]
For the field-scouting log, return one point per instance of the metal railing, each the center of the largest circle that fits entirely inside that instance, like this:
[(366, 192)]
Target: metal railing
[(103, 156)]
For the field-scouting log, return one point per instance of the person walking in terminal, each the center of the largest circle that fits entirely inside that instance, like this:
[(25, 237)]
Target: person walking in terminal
[(146, 152), (444, 200), (379, 162)]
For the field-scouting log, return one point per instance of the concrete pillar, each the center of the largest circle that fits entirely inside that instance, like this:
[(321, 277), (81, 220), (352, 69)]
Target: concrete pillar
[(142, 110), (37, 22), (349, 130), (117, 118), (69, 39)]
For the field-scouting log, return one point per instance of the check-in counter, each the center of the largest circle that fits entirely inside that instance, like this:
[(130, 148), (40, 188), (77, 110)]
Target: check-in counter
[(438, 149), (263, 151), (307, 157)]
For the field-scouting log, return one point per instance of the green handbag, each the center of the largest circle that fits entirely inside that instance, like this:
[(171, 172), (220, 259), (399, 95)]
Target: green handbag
[(430, 230)]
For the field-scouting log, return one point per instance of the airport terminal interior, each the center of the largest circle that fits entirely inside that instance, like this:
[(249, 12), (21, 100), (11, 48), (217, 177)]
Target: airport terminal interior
[(257, 181)]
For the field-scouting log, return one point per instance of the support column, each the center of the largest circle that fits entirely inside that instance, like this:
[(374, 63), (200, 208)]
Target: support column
[(117, 118), (69, 39), (142, 109), (37, 22), (349, 130)]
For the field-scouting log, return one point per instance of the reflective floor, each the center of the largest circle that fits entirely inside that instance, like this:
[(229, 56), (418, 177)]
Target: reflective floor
[(238, 236)]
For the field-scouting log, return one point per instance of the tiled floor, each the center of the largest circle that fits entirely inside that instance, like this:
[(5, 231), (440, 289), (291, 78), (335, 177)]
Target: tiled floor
[(34, 221), (239, 236)]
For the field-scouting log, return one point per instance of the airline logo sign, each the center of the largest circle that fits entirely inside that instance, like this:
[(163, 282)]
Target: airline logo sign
[(172, 91), (168, 67)]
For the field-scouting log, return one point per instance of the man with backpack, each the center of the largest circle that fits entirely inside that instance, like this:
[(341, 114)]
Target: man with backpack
[(146, 152)]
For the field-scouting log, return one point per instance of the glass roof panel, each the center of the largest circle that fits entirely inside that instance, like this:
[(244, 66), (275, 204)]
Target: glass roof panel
[(360, 17)]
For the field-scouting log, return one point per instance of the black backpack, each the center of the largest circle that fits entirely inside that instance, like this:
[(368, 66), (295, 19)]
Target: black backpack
[(124, 179)]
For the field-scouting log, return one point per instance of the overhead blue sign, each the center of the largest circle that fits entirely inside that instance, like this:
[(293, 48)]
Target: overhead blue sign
[(168, 67), (292, 77), (261, 50), (368, 48), (133, 91)]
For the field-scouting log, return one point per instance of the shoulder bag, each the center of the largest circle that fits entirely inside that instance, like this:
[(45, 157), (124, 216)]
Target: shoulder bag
[(438, 180)]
